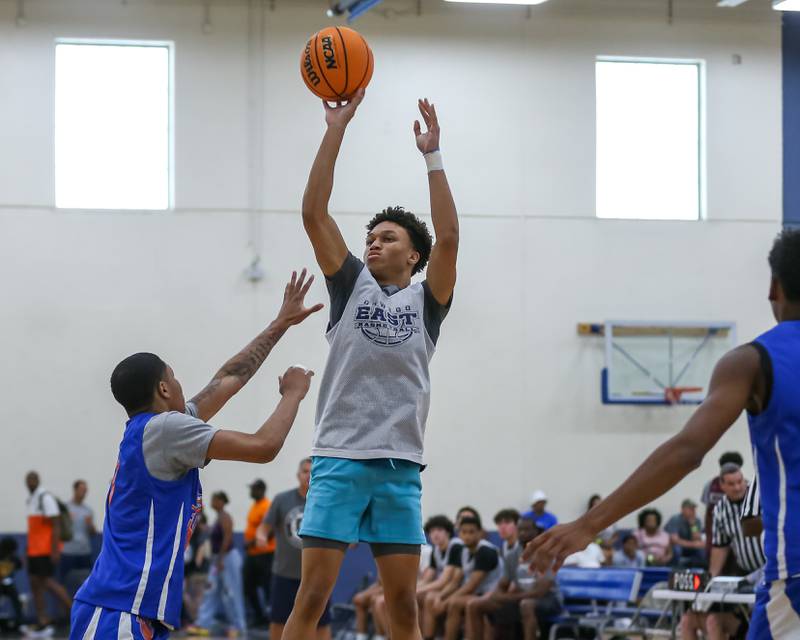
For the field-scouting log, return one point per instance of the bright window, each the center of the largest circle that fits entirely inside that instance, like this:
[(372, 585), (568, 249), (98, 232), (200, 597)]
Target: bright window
[(113, 137), (649, 139)]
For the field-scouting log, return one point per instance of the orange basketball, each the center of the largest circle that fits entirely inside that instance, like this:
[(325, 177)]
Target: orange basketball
[(336, 63)]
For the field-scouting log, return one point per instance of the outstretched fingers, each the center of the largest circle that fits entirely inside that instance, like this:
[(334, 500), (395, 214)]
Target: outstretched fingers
[(307, 286)]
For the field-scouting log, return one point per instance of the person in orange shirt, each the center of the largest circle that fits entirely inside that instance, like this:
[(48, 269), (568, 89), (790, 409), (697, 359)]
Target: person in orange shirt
[(257, 570), (44, 551)]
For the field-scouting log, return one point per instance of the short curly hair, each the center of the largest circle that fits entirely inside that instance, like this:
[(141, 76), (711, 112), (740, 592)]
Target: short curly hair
[(417, 230), (644, 513), (784, 260)]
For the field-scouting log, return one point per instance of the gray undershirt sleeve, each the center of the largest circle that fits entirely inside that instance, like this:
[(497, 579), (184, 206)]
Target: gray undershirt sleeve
[(174, 443)]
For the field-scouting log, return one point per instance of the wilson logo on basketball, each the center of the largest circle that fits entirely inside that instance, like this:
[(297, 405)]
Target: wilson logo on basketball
[(308, 67), (328, 53), (384, 327)]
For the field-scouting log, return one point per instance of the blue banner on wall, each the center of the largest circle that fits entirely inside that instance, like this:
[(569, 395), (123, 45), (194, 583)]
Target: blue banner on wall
[(791, 118)]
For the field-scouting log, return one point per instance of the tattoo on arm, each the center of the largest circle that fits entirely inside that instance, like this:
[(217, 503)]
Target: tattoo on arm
[(244, 364)]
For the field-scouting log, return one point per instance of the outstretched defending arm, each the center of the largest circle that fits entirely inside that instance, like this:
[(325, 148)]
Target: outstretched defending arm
[(263, 445), (442, 267), (329, 246), (733, 386), (235, 373)]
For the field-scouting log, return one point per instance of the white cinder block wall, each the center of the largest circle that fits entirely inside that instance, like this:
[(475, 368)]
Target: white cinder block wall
[(516, 393)]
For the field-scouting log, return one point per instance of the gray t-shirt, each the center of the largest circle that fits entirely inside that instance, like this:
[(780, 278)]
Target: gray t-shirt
[(174, 443), (511, 558), (285, 516), (80, 545)]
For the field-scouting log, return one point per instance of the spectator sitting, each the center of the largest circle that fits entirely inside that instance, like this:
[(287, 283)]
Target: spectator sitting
[(630, 556), (441, 532), (609, 534), (592, 557), (445, 561), (686, 533), (541, 518), (77, 553), (506, 522), (482, 570), (9, 565), (517, 594), (652, 539)]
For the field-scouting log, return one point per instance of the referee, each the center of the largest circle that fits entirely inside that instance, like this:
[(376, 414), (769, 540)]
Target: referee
[(722, 620), (727, 528)]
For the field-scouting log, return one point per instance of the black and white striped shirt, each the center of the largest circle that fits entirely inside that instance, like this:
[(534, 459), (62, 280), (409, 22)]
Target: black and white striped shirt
[(727, 532), (752, 502)]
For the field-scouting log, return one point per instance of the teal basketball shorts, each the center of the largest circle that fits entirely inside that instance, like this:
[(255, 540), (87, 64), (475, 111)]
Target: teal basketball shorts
[(374, 501)]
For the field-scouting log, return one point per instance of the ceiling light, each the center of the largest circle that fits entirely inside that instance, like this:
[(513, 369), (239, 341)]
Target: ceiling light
[(730, 3), (786, 5), (528, 2)]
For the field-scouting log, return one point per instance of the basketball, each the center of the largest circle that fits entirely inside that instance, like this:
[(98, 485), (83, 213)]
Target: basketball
[(336, 63)]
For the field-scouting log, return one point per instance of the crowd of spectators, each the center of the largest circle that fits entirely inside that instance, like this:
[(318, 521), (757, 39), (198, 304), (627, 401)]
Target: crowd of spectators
[(468, 586)]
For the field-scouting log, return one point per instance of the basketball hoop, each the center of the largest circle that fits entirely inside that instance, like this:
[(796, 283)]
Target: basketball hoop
[(672, 395)]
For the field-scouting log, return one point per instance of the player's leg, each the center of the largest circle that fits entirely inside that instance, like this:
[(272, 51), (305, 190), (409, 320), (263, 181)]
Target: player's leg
[(380, 615), (321, 566), (232, 595), (476, 613), (690, 624), (362, 602), (392, 524), (722, 625), (456, 608), (777, 611), (530, 622), (399, 567), (431, 604), (58, 590), (250, 582)]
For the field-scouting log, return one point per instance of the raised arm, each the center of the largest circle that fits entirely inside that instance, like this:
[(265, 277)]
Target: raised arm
[(329, 246), (731, 391), (442, 266), (263, 445), (236, 372)]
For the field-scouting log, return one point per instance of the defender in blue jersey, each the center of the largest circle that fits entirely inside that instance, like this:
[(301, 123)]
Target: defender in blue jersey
[(375, 393), (135, 589), (763, 379)]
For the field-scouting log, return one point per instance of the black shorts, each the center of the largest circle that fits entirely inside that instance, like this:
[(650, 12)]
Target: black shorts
[(548, 606), (281, 601), (40, 566)]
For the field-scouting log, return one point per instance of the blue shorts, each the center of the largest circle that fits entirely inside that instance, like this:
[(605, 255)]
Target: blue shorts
[(777, 612), (281, 601), (376, 501), (88, 622)]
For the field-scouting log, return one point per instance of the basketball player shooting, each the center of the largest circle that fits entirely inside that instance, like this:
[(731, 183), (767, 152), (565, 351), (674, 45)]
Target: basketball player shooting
[(135, 589), (763, 379), (375, 392)]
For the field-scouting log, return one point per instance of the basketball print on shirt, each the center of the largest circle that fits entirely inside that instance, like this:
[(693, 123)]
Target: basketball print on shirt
[(385, 325), (291, 525)]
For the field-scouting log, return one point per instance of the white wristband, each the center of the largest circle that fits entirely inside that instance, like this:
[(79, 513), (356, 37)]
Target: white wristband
[(434, 161)]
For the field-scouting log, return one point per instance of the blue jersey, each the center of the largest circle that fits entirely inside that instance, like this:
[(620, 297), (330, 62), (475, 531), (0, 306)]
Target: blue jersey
[(775, 434), (148, 524)]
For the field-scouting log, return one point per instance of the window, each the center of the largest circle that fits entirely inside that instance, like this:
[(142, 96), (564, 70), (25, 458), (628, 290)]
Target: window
[(113, 139), (649, 139)]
